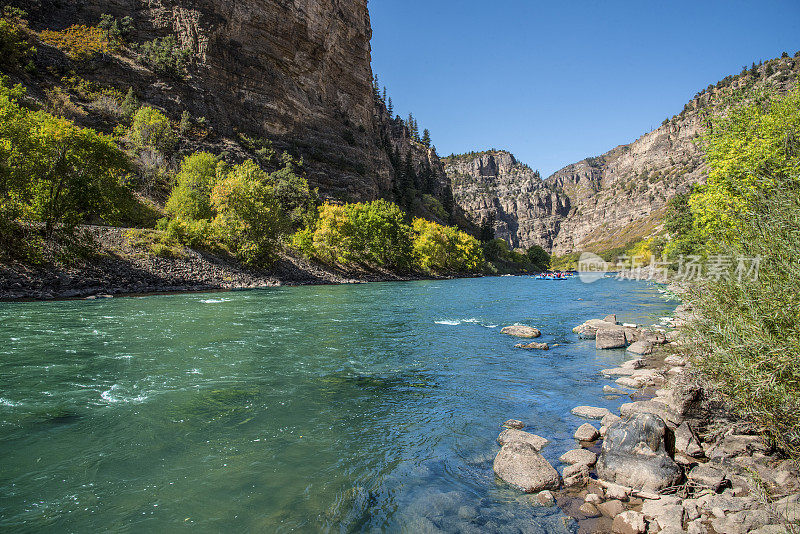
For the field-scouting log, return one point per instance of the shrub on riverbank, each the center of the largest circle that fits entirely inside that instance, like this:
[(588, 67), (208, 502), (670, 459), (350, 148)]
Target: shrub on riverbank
[(376, 234), (748, 327), (54, 172)]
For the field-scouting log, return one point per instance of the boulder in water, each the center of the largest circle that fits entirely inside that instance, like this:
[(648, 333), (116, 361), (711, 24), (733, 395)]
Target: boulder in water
[(532, 346), (610, 337), (634, 454), (521, 331), (512, 435), (586, 432), (521, 465), (590, 412), (514, 423)]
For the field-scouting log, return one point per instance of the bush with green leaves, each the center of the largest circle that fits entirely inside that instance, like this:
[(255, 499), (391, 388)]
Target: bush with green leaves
[(116, 29), (165, 56), (248, 217), (151, 128), (539, 258), (445, 249), (15, 42), (55, 172), (191, 197), (747, 328), (367, 233)]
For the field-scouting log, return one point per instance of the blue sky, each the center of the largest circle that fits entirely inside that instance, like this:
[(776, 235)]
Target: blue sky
[(554, 82)]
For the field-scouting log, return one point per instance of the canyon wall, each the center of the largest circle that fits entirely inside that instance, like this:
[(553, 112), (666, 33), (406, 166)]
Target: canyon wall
[(603, 202), (296, 72)]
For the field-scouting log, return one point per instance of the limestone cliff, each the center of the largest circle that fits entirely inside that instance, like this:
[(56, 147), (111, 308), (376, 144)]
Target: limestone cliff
[(602, 202), (296, 72)]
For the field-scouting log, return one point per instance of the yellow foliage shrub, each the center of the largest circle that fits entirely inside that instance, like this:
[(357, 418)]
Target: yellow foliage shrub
[(78, 42)]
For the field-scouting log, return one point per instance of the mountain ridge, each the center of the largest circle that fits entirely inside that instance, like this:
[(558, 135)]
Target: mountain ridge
[(607, 201)]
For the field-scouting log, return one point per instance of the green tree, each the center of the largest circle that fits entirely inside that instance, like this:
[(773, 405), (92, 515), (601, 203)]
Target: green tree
[(249, 218), (426, 137), (191, 197), (130, 104), (55, 172), (538, 257), (445, 249), (165, 56), (753, 150), (151, 128), (15, 41), (185, 124)]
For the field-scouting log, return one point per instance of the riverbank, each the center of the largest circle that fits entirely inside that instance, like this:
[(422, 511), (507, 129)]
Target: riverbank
[(674, 458), (116, 265)]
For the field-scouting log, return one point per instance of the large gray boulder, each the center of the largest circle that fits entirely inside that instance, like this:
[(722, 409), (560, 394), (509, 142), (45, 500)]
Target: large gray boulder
[(641, 347), (610, 337), (634, 454), (522, 466), (588, 330), (521, 331)]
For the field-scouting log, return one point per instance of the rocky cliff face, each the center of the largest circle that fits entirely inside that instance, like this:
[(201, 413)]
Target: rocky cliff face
[(602, 202), (495, 185), (296, 72)]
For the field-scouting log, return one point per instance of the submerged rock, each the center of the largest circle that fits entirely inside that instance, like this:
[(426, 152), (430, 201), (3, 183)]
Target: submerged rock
[(629, 522), (521, 465), (614, 391), (532, 345), (546, 498), (634, 454), (521, 331)]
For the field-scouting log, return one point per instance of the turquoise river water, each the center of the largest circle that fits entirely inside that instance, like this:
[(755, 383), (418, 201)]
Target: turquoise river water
[(353, 408)]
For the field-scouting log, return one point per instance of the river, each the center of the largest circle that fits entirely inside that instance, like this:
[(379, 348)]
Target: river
[(351, 408)]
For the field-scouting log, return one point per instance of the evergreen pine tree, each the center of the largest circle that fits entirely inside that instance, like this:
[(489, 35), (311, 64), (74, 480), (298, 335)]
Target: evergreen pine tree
[(426, 137), (376, 88), (768, 71), (389, 106), (130, 104), (384, 94)]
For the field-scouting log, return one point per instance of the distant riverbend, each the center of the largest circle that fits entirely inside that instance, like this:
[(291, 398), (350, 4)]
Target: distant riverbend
[(349, 408)]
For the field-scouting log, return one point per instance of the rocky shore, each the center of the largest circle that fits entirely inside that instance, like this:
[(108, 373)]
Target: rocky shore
[(117, 266), (674, 459)]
